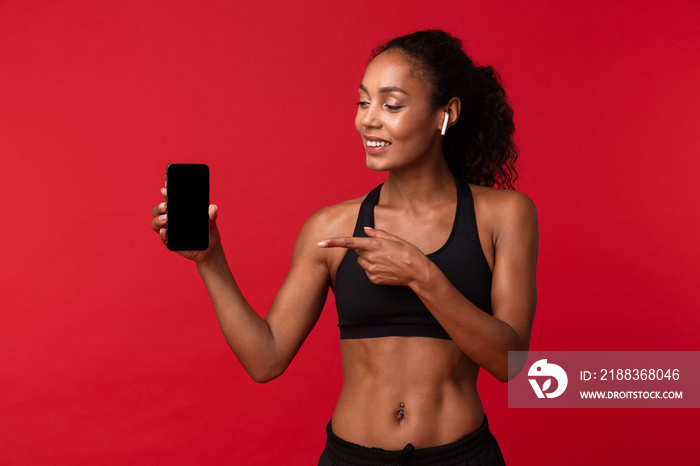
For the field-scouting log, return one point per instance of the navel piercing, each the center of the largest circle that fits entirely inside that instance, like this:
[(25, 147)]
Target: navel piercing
[(444, 123), (401, 414)]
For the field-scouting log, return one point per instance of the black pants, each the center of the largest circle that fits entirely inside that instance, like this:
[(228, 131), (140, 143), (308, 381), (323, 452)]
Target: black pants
[(476, 449)]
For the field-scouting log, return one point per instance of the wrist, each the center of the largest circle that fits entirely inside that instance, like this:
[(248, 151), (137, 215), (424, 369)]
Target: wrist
[(424, 276), (211, 258)]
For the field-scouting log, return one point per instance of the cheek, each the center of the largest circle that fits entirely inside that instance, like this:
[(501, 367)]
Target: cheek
[(405, 128), (414, 135)]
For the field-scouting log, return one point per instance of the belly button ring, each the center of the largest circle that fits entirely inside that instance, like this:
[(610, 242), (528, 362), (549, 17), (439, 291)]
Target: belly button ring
[(401, 414)]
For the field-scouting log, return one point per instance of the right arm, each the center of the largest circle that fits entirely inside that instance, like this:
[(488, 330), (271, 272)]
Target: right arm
[(265, 346)]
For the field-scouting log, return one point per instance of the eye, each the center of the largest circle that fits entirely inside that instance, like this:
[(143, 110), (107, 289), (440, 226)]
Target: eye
[(393, 108), (362, 104)]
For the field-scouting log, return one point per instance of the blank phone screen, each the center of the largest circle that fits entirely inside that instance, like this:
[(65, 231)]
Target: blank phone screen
[(188, 207)]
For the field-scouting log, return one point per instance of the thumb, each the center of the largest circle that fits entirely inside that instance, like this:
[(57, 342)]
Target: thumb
[(213, 212)]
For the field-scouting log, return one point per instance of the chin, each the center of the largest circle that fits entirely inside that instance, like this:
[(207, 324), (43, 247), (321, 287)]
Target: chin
[(375, 166)]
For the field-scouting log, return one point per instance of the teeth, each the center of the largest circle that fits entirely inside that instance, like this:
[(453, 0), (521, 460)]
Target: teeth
[(377, 143)]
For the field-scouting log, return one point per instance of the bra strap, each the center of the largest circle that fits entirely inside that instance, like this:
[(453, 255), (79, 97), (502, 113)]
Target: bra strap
[(366, 216)]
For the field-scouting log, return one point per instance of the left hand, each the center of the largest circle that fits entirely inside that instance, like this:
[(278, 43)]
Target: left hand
[(386, 258)]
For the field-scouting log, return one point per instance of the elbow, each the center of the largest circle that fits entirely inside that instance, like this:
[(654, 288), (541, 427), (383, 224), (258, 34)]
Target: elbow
[(502, 375), (510, 366), (514, 364), (499, 369), (260, 363), (264, 374), (507, 376), (263, 378)]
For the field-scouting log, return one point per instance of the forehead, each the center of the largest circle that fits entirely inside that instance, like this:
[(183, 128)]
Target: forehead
[(392, 69)]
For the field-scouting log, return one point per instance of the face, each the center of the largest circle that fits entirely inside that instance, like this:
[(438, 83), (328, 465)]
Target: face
[(399, 128)]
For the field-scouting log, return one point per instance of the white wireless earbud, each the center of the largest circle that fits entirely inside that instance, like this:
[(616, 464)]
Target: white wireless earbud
[(444, 123)]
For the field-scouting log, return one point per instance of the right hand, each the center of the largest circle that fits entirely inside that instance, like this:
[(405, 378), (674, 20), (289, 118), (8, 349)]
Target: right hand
[(160, 219)]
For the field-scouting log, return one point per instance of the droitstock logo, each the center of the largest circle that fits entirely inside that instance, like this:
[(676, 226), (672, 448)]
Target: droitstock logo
[(547, 371)]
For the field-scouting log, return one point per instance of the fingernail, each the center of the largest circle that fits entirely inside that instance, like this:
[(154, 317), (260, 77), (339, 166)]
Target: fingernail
[(368, 228), (322, 244), (162, 218)]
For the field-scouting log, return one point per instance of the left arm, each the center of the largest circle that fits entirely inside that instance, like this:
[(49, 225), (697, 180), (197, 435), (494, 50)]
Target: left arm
[(485, 339)]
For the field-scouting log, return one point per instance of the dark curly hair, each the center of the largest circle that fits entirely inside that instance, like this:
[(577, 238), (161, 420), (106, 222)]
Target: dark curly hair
[(479, 148)]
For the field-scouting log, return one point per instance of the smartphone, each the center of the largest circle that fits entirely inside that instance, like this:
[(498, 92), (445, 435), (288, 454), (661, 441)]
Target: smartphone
[(188, 207)]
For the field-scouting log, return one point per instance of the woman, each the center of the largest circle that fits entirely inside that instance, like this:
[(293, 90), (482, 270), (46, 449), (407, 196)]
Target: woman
[(433, 271)]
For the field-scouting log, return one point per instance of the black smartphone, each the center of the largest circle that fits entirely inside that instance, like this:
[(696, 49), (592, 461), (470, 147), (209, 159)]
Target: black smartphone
[(188, 206)]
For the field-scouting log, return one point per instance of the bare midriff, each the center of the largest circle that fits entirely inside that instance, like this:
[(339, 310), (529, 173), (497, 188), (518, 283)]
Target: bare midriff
[(400, 390)]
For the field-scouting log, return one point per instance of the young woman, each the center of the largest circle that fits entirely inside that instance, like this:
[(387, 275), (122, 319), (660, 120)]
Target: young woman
[(433, 271)]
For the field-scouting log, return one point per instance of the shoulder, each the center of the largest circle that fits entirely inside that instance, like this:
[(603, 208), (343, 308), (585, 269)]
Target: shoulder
[(504, 210), (501, 198), (503, 202), (333, 220), (337, 220)]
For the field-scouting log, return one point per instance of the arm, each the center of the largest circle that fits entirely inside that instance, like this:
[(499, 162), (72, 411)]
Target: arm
[(486, 339), (264, 346)]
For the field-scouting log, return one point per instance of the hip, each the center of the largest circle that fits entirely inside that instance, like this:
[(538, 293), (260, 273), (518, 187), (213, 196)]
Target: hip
[(476, 448)]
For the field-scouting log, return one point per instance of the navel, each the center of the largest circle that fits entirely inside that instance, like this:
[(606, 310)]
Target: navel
[(400, 415)]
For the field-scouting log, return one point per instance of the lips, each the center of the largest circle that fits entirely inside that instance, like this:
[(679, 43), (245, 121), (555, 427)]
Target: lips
[(375, 145)]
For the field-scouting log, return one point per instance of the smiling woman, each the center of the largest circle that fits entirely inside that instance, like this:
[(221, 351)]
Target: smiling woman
[(394, 114), (433, 271)]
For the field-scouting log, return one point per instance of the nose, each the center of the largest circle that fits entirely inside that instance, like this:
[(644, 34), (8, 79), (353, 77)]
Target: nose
[(369, 117)]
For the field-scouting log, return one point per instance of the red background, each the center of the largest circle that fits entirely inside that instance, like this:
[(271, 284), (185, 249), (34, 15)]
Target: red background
[(109, 349)]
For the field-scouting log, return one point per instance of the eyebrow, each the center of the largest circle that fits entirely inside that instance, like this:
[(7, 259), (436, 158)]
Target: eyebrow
[(386, 89)]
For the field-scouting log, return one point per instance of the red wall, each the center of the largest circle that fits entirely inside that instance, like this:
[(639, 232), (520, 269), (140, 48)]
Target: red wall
[(109, 349)]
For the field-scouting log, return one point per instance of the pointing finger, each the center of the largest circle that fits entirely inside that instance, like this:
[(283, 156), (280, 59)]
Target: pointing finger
[(346, 242)]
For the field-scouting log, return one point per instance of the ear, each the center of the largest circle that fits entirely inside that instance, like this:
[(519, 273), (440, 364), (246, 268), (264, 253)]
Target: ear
[(453, 109)]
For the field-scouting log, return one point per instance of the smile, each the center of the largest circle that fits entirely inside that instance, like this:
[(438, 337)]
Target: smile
[(377, 143)]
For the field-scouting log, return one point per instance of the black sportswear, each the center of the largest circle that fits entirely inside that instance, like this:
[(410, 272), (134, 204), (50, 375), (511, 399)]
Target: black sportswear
[(479, 448), (366, 310)]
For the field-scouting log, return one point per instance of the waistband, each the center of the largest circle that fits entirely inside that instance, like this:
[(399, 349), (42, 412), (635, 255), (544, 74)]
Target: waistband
[(452, 453)]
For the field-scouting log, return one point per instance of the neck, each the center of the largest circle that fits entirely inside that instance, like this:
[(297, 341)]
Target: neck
[(424, 185)]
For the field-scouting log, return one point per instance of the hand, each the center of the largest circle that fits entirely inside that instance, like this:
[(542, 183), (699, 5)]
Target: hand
[(160, 219), (386, 258)]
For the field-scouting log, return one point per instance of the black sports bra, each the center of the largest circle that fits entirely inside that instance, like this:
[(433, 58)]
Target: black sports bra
[(366, 310)]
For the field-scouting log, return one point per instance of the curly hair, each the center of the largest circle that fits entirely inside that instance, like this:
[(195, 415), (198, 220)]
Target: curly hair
[(479, 148)]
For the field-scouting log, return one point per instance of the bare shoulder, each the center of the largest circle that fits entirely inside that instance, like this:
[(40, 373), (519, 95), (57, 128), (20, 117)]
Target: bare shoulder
[(501, 199), (503, 202), (504, 210), (337, 220), (333, 220)]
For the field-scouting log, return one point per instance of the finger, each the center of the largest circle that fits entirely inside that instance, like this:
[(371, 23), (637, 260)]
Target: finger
[(159, 222), (164, 192), (213, 212), (364, 263), (375, 233), (159, 209), (375, 274), (347, 242)]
